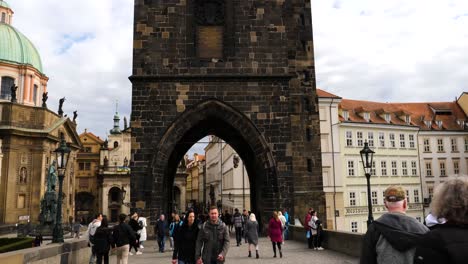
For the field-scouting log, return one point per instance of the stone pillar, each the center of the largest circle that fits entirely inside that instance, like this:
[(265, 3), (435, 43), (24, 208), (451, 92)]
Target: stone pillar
[(105, 200), (31, 89), (26, 83), (183, 201)]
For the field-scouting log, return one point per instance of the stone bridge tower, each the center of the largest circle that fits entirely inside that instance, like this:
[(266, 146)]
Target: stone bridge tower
[(242, 70)]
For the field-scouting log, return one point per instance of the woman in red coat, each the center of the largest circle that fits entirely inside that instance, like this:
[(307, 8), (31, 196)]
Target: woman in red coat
[(275, 232)]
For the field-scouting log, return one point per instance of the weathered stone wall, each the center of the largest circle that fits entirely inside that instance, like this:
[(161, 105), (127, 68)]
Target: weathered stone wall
[(266, 75)]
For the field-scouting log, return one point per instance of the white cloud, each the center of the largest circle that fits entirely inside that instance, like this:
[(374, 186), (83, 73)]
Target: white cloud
[(365, 49)]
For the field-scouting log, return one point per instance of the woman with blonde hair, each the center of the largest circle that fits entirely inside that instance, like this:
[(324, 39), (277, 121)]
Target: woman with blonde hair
[(275, 232), (252, 234), (448, 243)]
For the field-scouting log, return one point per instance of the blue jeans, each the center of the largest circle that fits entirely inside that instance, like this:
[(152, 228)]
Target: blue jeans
[(161, 243)]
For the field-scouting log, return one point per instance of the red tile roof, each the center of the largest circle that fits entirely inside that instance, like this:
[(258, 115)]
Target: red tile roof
[(448, 112), (324, 94)]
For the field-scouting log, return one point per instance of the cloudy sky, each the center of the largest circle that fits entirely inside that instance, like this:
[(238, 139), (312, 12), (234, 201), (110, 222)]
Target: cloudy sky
[(382, 50)]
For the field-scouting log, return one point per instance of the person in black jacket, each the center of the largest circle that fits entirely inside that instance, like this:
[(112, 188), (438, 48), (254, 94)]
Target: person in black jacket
[(185, 241), (103, 241), (133, 223), (448, 243), (122, 235)]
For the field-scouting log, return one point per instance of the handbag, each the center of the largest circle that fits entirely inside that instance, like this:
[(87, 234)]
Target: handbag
[(308, 234)]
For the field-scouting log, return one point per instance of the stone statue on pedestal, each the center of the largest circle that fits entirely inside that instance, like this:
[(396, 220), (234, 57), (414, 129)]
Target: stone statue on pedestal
[(49, 202)]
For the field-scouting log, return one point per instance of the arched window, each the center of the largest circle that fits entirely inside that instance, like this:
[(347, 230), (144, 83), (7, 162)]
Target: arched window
[(3, 17), (116, 144), (35, 91), (7, 83)]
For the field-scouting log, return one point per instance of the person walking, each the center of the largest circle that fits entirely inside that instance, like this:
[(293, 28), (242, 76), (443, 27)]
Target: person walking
[(92, 227), (308, 217), (76, 228), (133, 223), (286, 228), (103, 241), (275, 233), (283, 223), (185, 241), (237, 221), (173, 230), (392, 238), (316, 231), (448, 243), (213, 238), (122, 236), (251, 233), (160, 231), (142, 232), (245, 219)]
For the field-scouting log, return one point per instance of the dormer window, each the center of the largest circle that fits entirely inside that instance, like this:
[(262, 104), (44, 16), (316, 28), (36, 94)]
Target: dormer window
[(428, 123), (345, 115), (408, 119), (461, 123), (387, 117), (367, 116), (439, 123)]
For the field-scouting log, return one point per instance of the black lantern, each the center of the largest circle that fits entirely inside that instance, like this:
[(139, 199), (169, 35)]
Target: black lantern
[(235, 161), (367, 157), (62, 153)]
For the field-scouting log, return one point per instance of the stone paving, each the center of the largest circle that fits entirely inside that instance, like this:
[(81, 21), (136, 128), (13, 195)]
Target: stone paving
[(293, 253)]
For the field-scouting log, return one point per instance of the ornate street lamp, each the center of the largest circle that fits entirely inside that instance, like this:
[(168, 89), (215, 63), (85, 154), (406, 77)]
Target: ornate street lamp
[(367, 156), (62, 153)]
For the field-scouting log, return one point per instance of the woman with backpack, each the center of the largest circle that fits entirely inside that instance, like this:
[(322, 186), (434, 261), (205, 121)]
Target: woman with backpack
[(173, 230), (102, 242)]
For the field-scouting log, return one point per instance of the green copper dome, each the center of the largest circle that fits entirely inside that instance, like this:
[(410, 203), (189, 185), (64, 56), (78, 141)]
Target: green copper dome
[(4, 4), (16, 48)]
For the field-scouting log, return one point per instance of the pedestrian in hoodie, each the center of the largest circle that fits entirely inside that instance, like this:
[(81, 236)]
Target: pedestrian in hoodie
[(393, 237), (92, 227), (103, 240), (185, 241), (213, 238)]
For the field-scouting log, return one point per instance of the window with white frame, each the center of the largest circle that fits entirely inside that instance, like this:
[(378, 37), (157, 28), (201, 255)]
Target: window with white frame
[(373, 172), (443, 172), (411, 141), (402, 141), (392, 140), (440, 145), (414, 168), (375, 201), (352, 199), (404, 168), (387, 118), (383, 167), (349, 138), (354, 227), (351, 171), (408, 119), (430, 191), (394, 168), (428, 168), (367, 116), (360, 140), (370, 138), (427, 146), (416, 196), (345, 115), (456, 167), (453, 143), (382, 140)]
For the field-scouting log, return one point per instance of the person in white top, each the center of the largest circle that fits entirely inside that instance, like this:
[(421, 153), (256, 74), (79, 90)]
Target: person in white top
[(142, 231), (283, 222), (91, 231)]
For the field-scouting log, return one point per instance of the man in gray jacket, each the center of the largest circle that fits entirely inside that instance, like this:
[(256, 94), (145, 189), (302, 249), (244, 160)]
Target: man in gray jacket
[(392, 238), (213, 237)]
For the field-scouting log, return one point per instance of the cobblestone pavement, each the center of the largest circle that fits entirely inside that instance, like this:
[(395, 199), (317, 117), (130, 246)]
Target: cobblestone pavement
[(293, 253)]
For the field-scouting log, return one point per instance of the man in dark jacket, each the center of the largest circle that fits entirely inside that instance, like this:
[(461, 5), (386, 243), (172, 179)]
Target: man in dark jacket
[(122, 236), (392, 238), (237, 220), (214, 239), (160, 231)]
